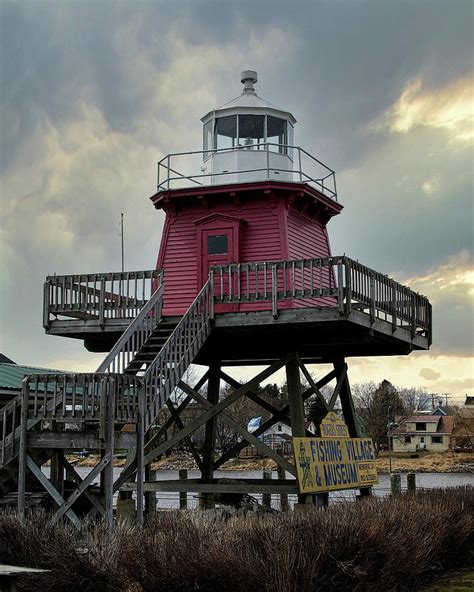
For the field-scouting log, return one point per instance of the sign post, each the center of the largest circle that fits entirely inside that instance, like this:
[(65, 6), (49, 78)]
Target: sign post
[(334, 461)]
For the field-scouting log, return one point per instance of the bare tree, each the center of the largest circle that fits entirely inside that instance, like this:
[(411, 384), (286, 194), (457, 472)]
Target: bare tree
[(372, 404)]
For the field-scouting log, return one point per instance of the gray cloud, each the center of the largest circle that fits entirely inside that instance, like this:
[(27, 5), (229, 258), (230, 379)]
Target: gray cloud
[(94, 93)]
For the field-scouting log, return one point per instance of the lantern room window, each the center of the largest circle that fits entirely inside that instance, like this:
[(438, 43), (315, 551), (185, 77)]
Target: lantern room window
[(252, 132), (277, 133), (226, 132), (248, 132)]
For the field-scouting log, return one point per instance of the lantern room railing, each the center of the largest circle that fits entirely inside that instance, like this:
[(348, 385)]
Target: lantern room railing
[(186, 169)]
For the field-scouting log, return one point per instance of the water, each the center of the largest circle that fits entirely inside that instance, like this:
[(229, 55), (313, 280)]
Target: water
[(170, 500)]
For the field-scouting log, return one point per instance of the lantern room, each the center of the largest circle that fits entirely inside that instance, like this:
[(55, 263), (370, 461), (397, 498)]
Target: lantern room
[(253, 196), (248, 138)]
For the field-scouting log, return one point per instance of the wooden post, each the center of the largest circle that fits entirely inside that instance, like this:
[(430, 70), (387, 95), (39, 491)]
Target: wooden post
[(141, 451), (267, 497), (411, 482), (213, 384), (348, 410), (183, 496), (23, 449), (395, 483), (150, 496), (295, 402), (284, 506), (57, 472), (107, 472)]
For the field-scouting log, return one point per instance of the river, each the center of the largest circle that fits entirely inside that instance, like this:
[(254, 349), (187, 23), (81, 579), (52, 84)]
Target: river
[(382, 488)]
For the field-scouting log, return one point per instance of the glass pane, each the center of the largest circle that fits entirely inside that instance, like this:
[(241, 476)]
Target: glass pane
[(217, 244), (226, 132), (277, 134), (207, 138), (251, 131)]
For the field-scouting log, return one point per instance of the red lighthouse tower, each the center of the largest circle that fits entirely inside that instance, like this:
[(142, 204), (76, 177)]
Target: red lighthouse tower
[(256, 197)]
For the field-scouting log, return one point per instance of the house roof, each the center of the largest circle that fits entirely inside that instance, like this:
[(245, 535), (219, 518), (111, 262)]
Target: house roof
[(444, 423), (11, 375), (469, 400), (5, 360), (424, 418)]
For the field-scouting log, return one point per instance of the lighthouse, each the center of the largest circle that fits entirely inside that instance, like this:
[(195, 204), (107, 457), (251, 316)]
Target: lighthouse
[(253, 196), (245, 276)]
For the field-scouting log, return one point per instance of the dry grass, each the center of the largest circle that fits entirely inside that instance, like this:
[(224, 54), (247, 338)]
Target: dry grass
[(395, 544)]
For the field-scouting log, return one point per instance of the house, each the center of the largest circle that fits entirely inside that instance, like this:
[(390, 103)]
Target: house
[(278, 436), (423, 432)]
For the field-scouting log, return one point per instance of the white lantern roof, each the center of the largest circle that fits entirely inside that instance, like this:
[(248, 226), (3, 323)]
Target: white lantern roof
[(249, 103)]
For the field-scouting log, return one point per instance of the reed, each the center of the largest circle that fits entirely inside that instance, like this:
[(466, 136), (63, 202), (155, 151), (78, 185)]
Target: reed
[(395, 544)]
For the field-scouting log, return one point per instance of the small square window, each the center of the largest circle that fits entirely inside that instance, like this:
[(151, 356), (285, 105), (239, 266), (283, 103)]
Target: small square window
[(407, 439), (217, 244), (421, 426), (436, 439)]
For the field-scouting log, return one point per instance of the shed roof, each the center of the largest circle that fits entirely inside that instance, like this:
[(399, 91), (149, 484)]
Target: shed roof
[(11, 375)]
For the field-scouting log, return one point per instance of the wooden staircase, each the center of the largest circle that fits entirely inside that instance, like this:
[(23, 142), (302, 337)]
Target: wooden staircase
[(151, 357)]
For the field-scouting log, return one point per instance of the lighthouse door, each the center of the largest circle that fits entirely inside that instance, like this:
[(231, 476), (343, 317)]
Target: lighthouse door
[(218, 248)]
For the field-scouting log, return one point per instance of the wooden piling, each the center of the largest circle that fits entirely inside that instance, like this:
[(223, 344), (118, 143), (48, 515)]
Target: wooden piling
[(395, 483), (411, 482), (183, 496), (267, 497)]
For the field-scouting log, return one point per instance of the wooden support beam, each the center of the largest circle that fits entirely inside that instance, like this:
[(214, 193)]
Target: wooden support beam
[(296, 405), (281, 415), (264, 449), (151, 445), (337, 389), (215, 410), (74, 476), (180, 426), (348, 410), (57, 497), (312, 384), (250, 394), (237, 486), (84, 484), (207, 471)]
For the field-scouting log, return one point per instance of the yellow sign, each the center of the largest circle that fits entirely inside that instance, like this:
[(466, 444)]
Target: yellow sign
[(327, 464), (333, 427)]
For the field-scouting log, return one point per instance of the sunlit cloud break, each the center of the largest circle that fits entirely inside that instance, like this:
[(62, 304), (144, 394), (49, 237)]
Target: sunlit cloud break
[(451, 108)]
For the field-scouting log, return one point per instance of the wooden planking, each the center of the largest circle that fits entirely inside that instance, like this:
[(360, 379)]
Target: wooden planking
[(307, 238), (260, 239)]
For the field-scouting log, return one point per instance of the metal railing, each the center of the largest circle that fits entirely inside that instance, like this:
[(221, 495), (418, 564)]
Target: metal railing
[(98, 296), (304, 168), (331, 281)]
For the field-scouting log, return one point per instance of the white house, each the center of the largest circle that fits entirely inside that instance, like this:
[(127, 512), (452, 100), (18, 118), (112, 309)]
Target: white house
[(423, 432)]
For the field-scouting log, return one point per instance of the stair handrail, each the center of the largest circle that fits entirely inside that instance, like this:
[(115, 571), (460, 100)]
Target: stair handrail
[(182, 346), (136, 334)]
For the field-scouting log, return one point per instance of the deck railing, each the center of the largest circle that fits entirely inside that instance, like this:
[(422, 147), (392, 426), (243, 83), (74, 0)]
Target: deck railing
[(67, 399), (331, 281), (98, 296)]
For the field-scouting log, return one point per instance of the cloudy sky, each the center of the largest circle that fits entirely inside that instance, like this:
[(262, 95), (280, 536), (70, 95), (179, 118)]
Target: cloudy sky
[(94, 93)]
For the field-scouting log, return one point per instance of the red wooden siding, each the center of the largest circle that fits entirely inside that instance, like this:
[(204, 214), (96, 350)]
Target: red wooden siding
[(260, 240), (307, 238)]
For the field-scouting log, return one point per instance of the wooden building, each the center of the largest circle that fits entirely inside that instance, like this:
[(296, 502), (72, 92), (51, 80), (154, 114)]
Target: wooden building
[(245, 276)]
